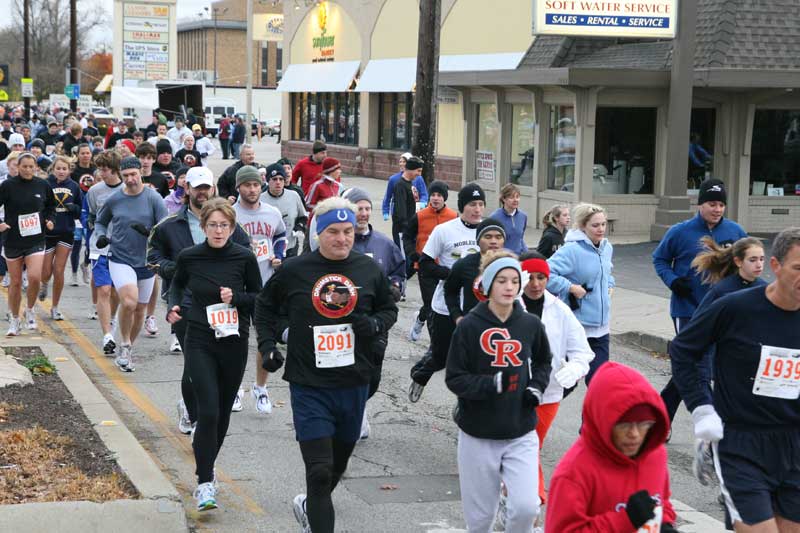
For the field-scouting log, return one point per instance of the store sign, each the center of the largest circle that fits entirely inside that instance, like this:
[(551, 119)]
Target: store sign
[(446, 95), (268, 27), (27, 87), (145, 42), (323, 43), (484, 165), (655, 19)]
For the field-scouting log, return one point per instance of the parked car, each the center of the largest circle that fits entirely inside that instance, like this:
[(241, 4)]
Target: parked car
[(215, 108), (272, 127)]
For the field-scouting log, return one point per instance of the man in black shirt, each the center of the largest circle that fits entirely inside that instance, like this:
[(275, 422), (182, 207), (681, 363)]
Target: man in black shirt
[(405, 202), (51, 136), (147, 157), (121, 133), (165, 163)]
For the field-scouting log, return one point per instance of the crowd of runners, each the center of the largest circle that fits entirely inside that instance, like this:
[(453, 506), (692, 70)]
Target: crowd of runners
[(289, 248)]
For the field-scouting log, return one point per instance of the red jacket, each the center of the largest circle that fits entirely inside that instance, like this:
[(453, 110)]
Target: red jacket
[(593, 481), (322, 189), (308, 171)]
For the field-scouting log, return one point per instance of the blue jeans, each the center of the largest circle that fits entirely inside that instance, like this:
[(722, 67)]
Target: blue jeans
[(235, 149)]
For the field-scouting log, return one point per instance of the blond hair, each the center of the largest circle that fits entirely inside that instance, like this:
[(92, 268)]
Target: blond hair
[(13, 156), (551, 216), (493, 255), (60, 159), (581, 214)]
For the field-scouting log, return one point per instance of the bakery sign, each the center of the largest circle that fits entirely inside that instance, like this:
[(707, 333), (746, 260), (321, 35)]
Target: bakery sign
[(323, 43), (656, 19)]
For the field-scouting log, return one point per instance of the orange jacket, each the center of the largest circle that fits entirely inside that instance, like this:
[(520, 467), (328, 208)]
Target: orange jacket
[(421, 226)]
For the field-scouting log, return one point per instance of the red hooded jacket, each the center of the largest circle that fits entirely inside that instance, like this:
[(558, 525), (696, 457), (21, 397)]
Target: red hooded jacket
[(593, 481)]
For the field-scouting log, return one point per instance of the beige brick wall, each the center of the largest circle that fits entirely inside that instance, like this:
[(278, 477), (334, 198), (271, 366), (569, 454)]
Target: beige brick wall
[(762, 219)]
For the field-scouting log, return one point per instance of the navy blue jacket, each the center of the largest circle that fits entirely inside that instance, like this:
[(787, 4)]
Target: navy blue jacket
[(726, 286), (674, 255), (69, 200), (384, 252)]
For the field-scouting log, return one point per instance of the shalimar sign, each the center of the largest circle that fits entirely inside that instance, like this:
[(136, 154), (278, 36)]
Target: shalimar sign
[(324, 42)]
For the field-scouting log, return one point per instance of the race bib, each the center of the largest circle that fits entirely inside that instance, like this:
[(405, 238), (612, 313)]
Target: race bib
[(263, 250), (654, 524), (29, 225), (223, 319), (778, 373), (333, 345)]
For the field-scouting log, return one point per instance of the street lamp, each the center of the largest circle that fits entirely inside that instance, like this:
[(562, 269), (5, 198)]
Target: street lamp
[(215, 14)]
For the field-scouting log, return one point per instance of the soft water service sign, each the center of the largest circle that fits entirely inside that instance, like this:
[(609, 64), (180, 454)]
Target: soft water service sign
[(656, 19)]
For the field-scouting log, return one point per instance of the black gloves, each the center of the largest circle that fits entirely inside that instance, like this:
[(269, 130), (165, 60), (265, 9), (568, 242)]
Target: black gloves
[(414, 257), (640, 508), (272, 360), (102, 241), (140, 229), (531, 397), (682, 287), (506, 381), (396, 293), (366, 326)]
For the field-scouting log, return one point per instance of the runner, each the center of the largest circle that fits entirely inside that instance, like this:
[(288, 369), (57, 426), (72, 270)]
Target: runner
[(309, 169), (169, 237), (418, 184), (174, 201), (224, 280), (414, 239), (405, 197), (338, 305), (133, 211), (165, 163), (60, 239), (267, 231), (226, 184), (752, 420), (514, 221), (556, 222), (188, 156), (615, 477), (448, 243), (202, 144), (327, 186), (498, 366), (29, 207), (146, 154), (289, 203), (83, 164), (107, 299)]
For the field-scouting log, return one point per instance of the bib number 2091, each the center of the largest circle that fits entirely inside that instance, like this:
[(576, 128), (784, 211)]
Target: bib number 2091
[(334, 346)]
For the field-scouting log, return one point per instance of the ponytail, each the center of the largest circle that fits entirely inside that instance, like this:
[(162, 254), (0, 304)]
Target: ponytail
[(715, 262), (552, 214)]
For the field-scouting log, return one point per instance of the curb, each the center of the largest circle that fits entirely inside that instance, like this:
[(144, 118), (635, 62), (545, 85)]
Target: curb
[(161, 507), (652, 343)]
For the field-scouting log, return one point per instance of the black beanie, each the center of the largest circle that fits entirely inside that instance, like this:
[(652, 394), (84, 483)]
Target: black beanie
[(440, 187), (489, 224), (163, 146), (712, 190), (468, 193)]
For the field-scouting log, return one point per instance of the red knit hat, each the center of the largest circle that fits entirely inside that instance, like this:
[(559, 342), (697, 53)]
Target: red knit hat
[(129, 144), (329, 164), (639, 413)]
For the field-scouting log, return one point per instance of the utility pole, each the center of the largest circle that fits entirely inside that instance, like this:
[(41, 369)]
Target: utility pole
[(73, 49), (26, 60), (248, 123), (215, 50), (424, 126)]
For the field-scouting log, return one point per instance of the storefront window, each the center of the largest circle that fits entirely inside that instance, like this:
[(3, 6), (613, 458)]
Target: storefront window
[(488, 137), (522, 127), (561, 173), (624, 150), (332, 117), (775, 157), (394, 114)]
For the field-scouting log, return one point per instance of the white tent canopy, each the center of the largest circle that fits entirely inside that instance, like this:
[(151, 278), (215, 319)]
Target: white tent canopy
[(135, 97)]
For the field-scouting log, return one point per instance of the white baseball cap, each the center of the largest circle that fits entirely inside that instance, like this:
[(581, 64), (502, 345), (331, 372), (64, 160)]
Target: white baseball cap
[(198, 176)]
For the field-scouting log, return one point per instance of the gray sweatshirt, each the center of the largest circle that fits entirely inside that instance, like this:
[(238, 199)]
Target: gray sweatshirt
[(95, 200), (291, 207)]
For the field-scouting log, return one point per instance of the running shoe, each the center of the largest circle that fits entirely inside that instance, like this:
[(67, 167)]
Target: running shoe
[(30, 319), (205, 496), (237, 401), (6, 280), (150, 326), (174, 345), (86, 274), (124, 359), (74, 280), (299, 508), (502, 513), (703, 464), (416, 329), (43, 289), (184, 424), (261, 396), (55, 314), (93, 314), (24, 280), (13, 327), (364, 426), (415, 391), (109, 345)]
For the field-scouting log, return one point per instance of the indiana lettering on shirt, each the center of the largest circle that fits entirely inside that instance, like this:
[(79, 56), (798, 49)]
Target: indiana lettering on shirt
[(257, 227)]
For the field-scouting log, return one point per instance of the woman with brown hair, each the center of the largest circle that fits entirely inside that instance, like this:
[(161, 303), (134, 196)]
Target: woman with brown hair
[(555, 221)]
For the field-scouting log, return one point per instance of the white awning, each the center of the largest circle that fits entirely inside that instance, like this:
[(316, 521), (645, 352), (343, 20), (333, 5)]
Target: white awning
[(136, 97), (332, 77), (389, 76), (105, 84), (475, 62)]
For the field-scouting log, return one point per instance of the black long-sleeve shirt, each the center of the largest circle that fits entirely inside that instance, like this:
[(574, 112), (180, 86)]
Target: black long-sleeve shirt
[(204, 270), (458, 286), (404, 205), (318, 292), (19, 196)]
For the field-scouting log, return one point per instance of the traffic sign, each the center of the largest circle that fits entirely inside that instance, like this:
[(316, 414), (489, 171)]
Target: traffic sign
[(3, 75), (3, 96), (72, 91), (27, 87)]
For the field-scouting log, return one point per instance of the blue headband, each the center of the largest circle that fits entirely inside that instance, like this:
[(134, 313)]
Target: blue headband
[(334, 216), (496, 266)]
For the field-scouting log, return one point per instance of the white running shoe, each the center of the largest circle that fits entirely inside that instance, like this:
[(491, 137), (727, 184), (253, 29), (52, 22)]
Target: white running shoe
[(30, 319), (86, 274), (299, 508), (74, 280), (6, 280), (205, 495), (13, 327), (237, 401), (364, 426), (261, 396), (415, 391), (43, 290), (55, 314), (93, 314), (109, 345), (416, 329), (174, 345), (184, 424), (150, 326), (124, 359)]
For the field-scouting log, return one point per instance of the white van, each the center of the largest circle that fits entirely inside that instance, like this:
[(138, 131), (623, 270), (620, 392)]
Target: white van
[(215, 108)]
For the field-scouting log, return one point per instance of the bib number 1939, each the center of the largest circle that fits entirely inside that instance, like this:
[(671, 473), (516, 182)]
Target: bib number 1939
[(778, 374)]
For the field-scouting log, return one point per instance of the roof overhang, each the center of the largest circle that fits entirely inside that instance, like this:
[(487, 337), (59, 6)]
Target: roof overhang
[(726, 78), (557, 77), (330, 77), (389, 76)]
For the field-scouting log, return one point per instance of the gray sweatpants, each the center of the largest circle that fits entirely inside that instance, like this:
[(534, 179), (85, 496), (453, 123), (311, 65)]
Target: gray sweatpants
[(483, 464)]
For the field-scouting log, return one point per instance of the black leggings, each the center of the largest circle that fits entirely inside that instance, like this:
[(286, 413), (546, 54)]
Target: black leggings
[(326, 460), (75, 254), (443, 328), (216, 368), (187, 392)]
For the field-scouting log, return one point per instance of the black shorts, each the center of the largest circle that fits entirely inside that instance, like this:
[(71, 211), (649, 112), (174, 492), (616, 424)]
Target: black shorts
[(62, 239), (11, 253), (759, 474)]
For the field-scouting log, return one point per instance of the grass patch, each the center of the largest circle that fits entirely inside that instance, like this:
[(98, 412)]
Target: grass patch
[(39, 365)]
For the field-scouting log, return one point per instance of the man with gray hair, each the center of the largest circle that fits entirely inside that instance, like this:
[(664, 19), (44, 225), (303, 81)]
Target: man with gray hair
[(751, 424), (226, 184)]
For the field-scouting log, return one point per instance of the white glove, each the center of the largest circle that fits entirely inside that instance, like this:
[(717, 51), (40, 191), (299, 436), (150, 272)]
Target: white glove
[(298, 235), (707, 424), (569, 375)]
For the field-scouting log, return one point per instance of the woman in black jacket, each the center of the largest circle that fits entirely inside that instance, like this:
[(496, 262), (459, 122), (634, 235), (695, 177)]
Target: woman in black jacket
[(555, 222)]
